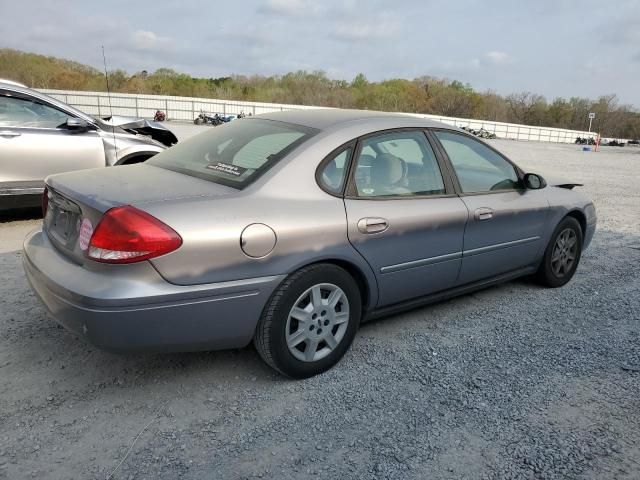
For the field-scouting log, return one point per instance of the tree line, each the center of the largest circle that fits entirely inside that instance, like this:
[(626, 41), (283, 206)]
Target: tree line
[(421, 95)]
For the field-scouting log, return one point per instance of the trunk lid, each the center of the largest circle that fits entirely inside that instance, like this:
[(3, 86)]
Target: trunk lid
[(77, 200)]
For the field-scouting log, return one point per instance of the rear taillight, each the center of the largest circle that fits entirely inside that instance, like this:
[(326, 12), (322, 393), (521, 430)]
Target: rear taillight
[(128, 235), (45, 201)]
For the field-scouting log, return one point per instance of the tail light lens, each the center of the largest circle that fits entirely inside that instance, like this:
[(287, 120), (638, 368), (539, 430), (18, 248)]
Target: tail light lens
[(45, 201), (128, 235)]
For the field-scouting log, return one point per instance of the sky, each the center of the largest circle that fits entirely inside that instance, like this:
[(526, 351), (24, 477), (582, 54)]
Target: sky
[(550, 47)]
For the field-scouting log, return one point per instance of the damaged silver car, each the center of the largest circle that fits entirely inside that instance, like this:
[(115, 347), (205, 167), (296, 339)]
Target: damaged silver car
[(40, 136)]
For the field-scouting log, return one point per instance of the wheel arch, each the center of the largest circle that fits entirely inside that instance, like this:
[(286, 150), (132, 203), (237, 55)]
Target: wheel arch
[(581, 218), (368, 291), (137, 157)]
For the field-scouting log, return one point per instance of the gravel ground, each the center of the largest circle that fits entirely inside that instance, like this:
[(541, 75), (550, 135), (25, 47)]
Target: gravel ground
[(515, 381)]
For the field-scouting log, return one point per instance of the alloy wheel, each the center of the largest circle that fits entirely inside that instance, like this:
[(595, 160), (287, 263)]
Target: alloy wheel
[(564, 253), (317, 323)]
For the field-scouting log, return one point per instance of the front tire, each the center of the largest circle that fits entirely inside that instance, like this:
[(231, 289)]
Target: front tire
[(310, 321), (562, 256)]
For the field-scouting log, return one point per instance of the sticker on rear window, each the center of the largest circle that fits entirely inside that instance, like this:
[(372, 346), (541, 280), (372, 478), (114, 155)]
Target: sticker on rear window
[(228, 168), (86, 231)]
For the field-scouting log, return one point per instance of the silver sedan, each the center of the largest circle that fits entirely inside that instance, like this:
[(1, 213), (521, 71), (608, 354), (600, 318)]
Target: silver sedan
[(40, 136), (290, 230)]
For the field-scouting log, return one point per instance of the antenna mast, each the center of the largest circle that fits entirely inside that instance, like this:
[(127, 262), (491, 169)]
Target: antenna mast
[(113, 127)]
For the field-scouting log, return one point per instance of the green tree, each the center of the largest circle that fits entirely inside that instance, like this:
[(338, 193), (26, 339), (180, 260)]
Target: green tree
[(424, 94)]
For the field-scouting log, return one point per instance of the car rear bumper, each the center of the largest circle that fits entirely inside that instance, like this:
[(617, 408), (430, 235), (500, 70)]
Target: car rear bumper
[(131, 307)]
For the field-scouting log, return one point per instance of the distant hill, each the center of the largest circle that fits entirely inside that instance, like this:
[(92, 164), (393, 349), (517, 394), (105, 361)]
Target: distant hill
[(421, 95), (40, 71)]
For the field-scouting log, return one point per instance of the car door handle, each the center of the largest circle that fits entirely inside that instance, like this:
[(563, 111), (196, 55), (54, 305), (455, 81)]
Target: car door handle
[(9, 133), (372, 225), (484, 213)]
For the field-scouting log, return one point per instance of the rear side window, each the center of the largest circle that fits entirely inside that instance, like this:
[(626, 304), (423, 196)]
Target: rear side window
[(234, 154), (335, 171)]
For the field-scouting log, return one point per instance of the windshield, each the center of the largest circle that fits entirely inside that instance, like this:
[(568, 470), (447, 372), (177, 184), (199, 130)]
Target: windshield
[(234, 154)]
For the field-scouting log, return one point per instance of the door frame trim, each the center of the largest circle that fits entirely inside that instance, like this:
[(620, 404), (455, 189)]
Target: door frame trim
[(455, 255), (498, 246), (421, 262)]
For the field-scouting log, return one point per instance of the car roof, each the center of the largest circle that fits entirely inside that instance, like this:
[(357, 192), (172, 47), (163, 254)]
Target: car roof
[(326, 118), (15, 86), (11, 82)]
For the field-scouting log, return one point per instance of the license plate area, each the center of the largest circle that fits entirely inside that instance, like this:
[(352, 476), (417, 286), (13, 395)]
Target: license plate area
[(62, 221)]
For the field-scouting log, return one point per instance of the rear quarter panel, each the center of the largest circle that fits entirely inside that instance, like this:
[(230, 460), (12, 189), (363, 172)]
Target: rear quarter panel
[(310, 227)]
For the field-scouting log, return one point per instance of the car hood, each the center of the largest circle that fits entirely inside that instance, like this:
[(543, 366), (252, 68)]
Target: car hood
[(155, 130)]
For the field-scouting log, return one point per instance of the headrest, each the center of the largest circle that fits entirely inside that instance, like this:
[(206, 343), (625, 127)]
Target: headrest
[(387, 169)]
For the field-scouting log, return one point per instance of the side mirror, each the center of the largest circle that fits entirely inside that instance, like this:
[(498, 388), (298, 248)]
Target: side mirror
[(534, 181), (77, 124)]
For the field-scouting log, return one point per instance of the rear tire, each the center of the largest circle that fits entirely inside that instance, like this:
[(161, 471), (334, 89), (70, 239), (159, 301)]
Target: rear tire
[(562, 256), (310, 321)]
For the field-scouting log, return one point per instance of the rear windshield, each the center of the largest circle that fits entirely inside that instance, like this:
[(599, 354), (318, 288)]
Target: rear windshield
[(234, 154)]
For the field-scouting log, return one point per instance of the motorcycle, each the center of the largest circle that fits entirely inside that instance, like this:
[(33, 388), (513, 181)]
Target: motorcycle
[(482, 133), (160, 116), (206, 118), (227, 118)]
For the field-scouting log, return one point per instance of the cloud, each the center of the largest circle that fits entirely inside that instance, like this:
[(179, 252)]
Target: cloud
[(497, 58), (365, 29), (623, 31), (48, 33), (289, 8), (451, 67), (146, 40), (476, 64)]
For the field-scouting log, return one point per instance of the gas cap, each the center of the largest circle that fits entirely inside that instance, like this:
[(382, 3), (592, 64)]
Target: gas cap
[(257, 240)]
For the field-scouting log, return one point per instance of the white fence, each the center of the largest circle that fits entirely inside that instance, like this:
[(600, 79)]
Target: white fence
[(188, 108)]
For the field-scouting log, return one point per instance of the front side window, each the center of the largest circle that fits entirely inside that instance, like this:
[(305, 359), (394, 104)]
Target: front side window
[(234, 154), (335, 171), (397, 164), (22, 112), (478, 168)]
